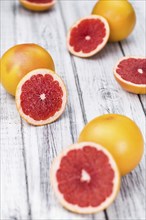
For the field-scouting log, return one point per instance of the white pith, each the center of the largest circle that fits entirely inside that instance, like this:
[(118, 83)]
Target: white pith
[(124, 81), (18, 93), (140, 71), (42, 96), (87, 38), (85, 177), (99, 47), (75, 208)]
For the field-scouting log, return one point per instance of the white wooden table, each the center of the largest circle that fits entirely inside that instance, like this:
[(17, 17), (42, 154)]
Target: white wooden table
[(27, 151)]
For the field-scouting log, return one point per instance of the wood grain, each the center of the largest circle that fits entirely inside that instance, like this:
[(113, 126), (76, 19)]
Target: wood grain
[(14, 193), (27, 151)]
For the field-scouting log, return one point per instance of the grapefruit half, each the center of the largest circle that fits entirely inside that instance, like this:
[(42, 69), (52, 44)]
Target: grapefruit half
[(85, 178), (130, 73), (41, 97), (88, 36), (38, 5)]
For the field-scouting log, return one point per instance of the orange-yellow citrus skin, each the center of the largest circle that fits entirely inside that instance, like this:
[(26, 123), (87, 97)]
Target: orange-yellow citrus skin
[(120, 15), (137, 89), (37, 7), (118, 134), (21, 59)]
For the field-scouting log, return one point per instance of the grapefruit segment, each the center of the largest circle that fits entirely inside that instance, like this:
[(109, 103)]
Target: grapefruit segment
[(41, 97), (85, 178), (88, 36), (130, 73), (38, 5)]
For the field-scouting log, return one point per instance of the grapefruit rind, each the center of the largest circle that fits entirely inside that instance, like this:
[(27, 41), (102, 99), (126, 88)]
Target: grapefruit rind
[(99, 47), (18, 94), (37, 7), (75, 208), (129, 86)]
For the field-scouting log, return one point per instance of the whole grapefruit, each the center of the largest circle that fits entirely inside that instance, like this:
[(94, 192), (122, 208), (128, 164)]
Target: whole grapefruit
[(21, 59), (118, 134), (120, 15)]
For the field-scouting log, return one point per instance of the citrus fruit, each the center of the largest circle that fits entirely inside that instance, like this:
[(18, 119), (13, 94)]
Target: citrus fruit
[(41, 97), (130, 73), (85, 178), (21, 59), (120, 136), (38, 5), (120, 15), (88, 36)]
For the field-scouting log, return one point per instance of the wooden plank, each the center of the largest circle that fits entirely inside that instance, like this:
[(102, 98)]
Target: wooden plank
[(101, 94), (14, 195)]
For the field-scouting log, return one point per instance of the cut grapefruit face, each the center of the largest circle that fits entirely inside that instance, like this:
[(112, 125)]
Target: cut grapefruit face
[(88, 36), (38, 5), (130, 73), (85, 178), (41, 97)]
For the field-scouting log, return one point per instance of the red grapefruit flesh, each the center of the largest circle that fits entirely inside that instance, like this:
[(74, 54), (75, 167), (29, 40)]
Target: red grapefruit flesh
[(41, 97), (37, 5), (88, 36), (85, 178), (130, 73)]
